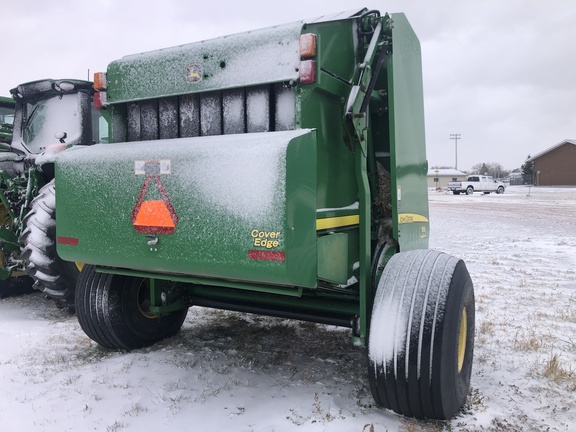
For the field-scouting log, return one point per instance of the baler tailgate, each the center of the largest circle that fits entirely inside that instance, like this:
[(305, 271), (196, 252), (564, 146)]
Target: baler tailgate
[(220, 206)]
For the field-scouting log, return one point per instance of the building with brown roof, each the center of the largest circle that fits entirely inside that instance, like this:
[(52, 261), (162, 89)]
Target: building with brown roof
[(556, 166)]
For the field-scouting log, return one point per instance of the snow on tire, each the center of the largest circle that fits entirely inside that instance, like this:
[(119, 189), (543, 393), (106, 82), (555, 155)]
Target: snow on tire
[(112, 311), (56, 277), (421, 339)]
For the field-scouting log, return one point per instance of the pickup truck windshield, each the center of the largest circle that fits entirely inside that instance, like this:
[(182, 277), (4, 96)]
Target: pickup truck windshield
[(50, 116)]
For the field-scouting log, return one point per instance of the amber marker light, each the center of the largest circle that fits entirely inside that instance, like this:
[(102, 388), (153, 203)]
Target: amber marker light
[(307, 44), (100, 81)]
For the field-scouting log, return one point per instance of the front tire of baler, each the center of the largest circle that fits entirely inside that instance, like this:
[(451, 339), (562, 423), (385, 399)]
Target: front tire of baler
[(112, 310), (421, 339)]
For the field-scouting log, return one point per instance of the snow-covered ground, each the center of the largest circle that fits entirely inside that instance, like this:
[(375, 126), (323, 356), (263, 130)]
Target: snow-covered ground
[(228, 371)]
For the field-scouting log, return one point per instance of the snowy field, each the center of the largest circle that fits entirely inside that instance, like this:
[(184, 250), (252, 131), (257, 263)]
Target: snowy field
[(228, 371)]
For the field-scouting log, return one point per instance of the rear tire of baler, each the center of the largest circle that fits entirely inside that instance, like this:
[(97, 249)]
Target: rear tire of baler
[(52, 275), (421, 339), (111, 309)]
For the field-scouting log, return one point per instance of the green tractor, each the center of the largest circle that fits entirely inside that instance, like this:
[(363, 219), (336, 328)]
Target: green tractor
[(21, 284), (280, 171), (48, 117), (6, 121)]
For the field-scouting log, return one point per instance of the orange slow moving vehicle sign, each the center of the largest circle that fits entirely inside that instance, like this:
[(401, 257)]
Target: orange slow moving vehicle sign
[(153, 216)]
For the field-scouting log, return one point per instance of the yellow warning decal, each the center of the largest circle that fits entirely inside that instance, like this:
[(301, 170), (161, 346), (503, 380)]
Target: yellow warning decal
[(405, 218), (337, 222)]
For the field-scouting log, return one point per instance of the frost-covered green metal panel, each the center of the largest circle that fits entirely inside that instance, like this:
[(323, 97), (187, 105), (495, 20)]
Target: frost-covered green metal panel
[(236, 207), (407, 138), (256, 57)]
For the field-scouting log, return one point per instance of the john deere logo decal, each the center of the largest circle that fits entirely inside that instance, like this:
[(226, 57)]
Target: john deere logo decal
[(153, 216), (194, 73)]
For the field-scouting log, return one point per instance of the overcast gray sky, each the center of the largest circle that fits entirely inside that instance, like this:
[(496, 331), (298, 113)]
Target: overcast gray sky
[(499, 72)]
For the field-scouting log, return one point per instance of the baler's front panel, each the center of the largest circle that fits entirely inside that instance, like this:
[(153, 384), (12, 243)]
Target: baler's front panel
[(235, 207)]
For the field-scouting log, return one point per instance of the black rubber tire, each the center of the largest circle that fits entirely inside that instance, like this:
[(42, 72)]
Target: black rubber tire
[(500, 190), (111, 311), (456, 192), (419, 365), (52, 275), (469, 190), (16, 286)]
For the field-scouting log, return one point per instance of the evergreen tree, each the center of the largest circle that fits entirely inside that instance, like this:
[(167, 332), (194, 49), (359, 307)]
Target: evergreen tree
[(528, 171)]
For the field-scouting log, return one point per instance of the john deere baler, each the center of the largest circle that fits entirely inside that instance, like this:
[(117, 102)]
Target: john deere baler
[(280, 171)]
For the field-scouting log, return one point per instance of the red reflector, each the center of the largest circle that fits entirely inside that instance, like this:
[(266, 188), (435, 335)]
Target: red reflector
[(307, 71), (154, 217), (100, 100), (70, 241), (264, 255)]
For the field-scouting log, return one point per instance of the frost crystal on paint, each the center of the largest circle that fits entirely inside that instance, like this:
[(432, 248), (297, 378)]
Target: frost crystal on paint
[(258, 110), (285, 109), (242, 175), (210, 119), (246, 182), (233, 112)]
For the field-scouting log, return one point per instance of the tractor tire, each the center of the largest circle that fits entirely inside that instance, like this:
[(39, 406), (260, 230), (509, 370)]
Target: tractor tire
[(469, 190), (112, 311), (16, 286), (52, 275), (421, 337)]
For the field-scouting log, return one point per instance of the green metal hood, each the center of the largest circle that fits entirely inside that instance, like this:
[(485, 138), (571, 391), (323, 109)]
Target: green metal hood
[(256, 57)]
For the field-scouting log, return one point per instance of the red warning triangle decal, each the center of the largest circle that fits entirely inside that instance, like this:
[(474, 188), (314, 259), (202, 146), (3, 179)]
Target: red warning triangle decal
[(154, 216)]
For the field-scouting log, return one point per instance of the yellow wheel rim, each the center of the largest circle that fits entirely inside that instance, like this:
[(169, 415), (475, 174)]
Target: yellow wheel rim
[(462, 339)]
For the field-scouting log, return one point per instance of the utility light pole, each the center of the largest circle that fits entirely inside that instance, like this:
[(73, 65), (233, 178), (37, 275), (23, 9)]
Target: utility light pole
[(455, 137)]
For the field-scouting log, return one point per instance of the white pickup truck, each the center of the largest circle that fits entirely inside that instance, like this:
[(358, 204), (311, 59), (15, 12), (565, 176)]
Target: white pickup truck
[(476, 183)]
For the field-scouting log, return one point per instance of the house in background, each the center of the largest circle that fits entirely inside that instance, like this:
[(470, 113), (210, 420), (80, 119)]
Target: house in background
[(516, 178), (440, 177), (556, 166)]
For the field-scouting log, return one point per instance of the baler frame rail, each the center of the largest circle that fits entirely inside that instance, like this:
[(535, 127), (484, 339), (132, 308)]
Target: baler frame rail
[(252, 298)]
